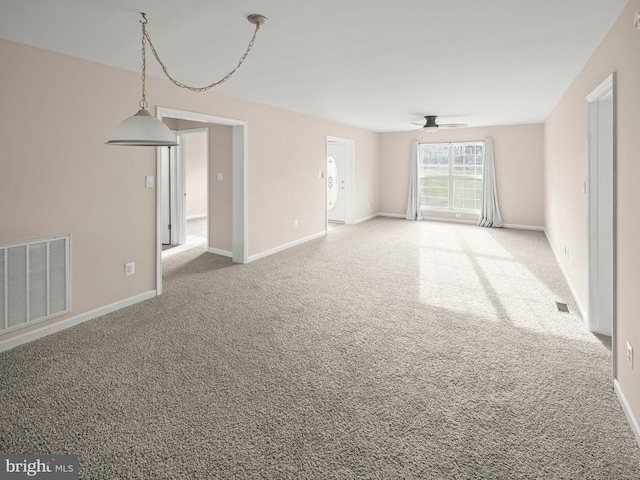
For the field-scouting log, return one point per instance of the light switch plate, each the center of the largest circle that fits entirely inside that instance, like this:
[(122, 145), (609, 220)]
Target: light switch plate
[(149, 181), (220, 176)]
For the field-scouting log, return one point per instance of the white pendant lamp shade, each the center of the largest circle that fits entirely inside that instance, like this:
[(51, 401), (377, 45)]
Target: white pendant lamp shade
[(143, 130)]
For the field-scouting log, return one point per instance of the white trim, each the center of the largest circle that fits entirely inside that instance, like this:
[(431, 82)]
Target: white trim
[(566, 279), (266, 253), (161, 223), (179, 224), (217, 251), (594, 190), (604, 90), (194, 217), (364, 219), (626, 408), (240, 189), (451, 220), (461, 211), (70, 322), (516, 226)]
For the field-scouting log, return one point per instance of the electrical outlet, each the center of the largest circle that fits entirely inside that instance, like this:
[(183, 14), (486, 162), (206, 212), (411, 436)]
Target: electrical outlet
[(149, 181), (129, 268), (630, 355), (295, 224), (458, 215)]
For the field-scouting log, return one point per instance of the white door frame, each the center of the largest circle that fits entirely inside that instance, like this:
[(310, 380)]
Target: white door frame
[(181, 204), (240, 183), (594, 189), (350, 178), (171, 207)]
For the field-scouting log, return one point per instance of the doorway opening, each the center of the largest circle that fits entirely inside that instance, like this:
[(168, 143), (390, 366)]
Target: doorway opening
[(195, 160), (221, 226), (340, 175), (185, 190), (601, 208)]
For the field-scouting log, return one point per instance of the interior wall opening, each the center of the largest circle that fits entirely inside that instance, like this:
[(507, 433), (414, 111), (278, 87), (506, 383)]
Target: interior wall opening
[(201, 199), (185, 190)]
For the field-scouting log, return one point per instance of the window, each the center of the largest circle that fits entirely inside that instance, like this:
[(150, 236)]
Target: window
[(451, 175)]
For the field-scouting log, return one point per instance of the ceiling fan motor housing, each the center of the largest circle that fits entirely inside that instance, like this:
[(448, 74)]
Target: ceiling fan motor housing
[(431, 121)]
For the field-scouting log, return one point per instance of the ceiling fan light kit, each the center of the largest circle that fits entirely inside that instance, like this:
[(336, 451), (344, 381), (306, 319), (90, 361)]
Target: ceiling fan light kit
[(142, 129)]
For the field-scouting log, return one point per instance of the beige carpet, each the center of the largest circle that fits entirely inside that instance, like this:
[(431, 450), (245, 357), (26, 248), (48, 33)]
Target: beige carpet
[(391, 349)]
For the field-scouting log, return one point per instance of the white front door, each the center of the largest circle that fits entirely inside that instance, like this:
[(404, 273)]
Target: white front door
[(336, 176)]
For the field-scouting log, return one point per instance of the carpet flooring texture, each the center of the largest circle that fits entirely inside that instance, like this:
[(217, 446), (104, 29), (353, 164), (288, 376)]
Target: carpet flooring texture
[(386, 350)]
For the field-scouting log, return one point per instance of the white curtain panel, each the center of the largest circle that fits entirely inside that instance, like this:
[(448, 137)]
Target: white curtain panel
[(413, 200), (490, 214)]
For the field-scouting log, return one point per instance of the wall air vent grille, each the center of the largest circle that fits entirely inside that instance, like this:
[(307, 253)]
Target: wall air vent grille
[(34, 281)]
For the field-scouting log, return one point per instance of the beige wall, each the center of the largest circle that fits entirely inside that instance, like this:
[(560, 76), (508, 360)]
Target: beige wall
[(565, 172), (518, 153), (196, 158), (221, 200), (58, 177)]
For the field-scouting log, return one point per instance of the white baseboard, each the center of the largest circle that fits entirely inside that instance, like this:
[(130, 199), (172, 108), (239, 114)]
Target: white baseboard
[(72, 321), (266, 253), (456, 220), (568, 281), (626, 408), (217, 251), (450, 220), (199, 215), (515, 226), (360, 220)]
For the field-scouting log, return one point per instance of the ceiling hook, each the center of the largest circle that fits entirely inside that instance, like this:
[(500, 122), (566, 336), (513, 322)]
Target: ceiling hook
[(144, 18)]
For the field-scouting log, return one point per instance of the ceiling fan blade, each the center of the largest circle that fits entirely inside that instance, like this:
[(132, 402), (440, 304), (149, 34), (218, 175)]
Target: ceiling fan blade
[(452, 125), (417, 123)]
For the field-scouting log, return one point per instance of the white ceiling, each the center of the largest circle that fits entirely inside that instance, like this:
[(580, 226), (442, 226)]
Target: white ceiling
[(376, 64)]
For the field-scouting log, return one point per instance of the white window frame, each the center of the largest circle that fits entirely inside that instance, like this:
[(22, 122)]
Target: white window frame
[(451, 178)]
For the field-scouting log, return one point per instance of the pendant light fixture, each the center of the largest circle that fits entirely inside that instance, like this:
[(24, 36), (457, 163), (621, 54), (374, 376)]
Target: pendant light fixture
[(142, 129)]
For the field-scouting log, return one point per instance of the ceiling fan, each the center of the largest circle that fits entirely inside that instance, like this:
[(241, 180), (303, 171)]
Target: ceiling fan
[(430, 124)]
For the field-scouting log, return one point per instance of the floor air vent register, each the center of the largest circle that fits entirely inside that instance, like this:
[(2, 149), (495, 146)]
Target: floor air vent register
[(34, 281)]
